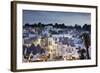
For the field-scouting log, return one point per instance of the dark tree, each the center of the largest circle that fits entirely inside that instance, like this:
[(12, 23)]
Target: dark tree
[(86, 39), (62, 25), (59, 25), (27, 25), (50, 24), (81, 52), (39, 24), (56, 25), (77, 26), (87, 27)]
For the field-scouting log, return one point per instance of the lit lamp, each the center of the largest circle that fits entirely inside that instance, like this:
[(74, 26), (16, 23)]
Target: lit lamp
[(69, 56)]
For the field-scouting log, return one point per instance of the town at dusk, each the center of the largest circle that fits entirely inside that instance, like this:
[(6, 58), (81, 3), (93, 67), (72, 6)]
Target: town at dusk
[(56, 36)]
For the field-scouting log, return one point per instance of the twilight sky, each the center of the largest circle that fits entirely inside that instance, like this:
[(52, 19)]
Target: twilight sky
[(46, 17)]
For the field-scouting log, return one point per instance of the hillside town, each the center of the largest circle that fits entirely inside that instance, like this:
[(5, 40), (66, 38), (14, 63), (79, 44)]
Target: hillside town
[(56, 42)]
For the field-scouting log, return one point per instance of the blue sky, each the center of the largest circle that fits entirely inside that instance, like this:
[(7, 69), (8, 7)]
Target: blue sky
[(68, 18)]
